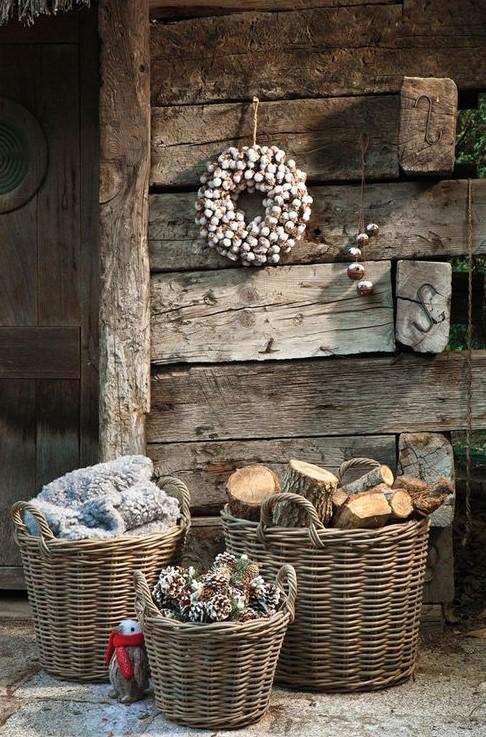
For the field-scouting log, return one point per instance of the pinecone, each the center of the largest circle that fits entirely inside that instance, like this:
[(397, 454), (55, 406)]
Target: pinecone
[(224, 560), (211, 584), (249, 575), (197, 612), (172, 586), (218, 608), (250, 614), (265, 598)]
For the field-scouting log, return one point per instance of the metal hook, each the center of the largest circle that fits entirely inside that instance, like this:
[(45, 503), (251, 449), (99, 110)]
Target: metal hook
[(428, 138), (431, 320)]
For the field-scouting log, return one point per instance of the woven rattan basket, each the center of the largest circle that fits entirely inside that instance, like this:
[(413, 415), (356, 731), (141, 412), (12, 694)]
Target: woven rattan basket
[(219, 675), (80, 590), (359, 598)]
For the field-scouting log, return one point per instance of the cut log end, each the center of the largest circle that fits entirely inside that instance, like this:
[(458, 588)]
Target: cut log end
[(369, 509), (248, 487)]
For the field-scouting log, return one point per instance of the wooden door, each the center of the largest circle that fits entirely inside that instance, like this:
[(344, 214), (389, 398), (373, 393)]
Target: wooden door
[(48, 257)]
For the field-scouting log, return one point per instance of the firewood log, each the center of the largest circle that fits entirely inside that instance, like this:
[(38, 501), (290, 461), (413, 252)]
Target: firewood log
[(379, 475), (426, 498), (338, 499), (315, 484), (401, 503), (366, 509), (247, 488)]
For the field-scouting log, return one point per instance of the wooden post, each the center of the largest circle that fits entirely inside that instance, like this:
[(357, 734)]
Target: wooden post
[(124, 176), (424, 305), (428, 109)]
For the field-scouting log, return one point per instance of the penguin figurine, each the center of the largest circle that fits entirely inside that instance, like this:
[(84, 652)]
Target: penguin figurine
[(128, 662)]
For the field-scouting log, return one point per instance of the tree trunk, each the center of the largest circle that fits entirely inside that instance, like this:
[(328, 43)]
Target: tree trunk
[(247, 488), (312, 482)]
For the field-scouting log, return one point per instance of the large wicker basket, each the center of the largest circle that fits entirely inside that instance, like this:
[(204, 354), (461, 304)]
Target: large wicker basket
[(359, 598), (80, 590), (219, 675)]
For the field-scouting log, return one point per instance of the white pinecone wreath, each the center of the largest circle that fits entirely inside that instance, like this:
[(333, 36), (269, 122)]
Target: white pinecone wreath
[(255, 168)]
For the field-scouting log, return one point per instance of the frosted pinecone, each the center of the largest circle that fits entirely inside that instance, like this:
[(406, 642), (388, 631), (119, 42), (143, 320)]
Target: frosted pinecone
[(212, 583), (224, 560), (252, 571), (173, 584), (218, 608), (265, 597), (249, 615), (197, 612)]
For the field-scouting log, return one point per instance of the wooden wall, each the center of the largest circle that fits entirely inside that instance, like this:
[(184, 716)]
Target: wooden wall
[(255, 365)]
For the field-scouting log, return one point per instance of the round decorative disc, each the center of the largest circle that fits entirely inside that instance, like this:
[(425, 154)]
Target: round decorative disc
[(23, 155)]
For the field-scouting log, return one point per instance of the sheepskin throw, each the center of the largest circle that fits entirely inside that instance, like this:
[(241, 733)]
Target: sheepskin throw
[(106, 500)]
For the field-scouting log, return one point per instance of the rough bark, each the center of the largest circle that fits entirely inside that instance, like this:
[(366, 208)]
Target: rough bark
[(312, 482), (426, 498), (380, 475), (368, 509), (124, 159), (248, 487)]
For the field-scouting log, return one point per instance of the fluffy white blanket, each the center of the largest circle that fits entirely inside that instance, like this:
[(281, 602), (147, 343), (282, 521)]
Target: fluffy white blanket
[(105, 500)]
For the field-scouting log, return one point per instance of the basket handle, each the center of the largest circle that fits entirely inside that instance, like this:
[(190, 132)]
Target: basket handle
[(353, 463), (286, 582), (17, 515), (183, 494), (143, 598), (266, 516)]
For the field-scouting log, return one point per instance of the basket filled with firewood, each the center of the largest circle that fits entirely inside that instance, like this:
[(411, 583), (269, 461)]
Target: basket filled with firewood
[(358, 543)]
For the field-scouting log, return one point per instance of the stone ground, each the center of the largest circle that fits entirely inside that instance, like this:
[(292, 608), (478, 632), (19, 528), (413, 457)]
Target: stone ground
[(447, 699)]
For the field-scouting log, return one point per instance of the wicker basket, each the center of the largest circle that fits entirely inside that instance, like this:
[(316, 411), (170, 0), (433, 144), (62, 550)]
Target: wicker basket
[(80, 589), (359, 600), (217, 675)]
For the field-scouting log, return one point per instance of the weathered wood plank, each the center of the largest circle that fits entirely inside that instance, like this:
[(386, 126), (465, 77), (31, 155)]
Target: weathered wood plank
[(428, 456), (12, 577), (181, 8), (311, 53), (57, 435), (261, 314), (323, 136), (203, 543), (39, 353), (439, 576), (416, 219), (124, 163), (205, 467), (402, 393), (428, 113), (424, 305)]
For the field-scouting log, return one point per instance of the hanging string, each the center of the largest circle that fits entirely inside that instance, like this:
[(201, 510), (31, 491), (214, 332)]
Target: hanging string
[(364, 140), (256, 103), (468, 372)]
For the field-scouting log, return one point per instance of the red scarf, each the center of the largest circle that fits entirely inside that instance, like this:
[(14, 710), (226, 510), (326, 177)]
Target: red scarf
[(117, 644)]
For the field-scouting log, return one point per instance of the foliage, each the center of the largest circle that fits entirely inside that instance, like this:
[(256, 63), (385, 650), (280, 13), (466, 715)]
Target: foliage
[(471, 136)]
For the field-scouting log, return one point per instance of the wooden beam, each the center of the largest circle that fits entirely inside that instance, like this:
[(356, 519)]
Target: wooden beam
[(124, 154), (428, 113), (424, 305), (416, 219), (206, 466), (320, 52), (273, 313), (323, 136), (181, 8), (401, 393)]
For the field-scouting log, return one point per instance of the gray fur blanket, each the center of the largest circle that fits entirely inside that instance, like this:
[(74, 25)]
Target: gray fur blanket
[(105, 500)]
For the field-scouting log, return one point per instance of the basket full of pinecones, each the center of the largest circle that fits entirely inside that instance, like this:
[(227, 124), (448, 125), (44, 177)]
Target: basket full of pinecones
[(213, 640)]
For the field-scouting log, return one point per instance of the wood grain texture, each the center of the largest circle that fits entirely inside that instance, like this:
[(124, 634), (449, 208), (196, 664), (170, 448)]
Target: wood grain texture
[(206, 466), (312, 53), (404, 393), (181, 8), (57, 431), (416, 219), (204, 541), (323, 136), (285, 312), (429, 456), (428, 113), (17, 441), (424, 291), (39, 353), (124, 156)]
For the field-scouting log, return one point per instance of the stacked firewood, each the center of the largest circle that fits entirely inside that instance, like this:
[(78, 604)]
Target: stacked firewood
[(366, 494)]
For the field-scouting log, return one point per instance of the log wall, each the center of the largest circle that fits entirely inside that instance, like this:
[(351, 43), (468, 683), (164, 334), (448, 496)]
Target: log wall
[(257, 366)]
